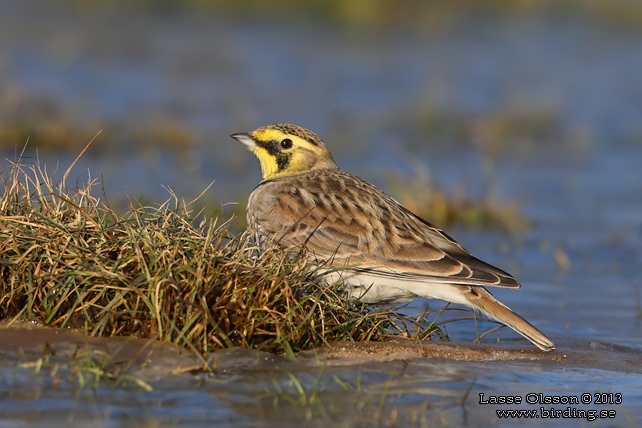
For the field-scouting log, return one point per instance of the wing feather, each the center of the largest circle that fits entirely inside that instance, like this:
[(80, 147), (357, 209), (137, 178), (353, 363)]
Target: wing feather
[(362, 225)]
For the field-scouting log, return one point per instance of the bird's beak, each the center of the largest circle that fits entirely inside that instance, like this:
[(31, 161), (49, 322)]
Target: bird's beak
[(245, 139)]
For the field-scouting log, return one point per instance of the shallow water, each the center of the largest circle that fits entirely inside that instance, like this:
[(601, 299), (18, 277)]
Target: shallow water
[(370, 94), (349, 384)]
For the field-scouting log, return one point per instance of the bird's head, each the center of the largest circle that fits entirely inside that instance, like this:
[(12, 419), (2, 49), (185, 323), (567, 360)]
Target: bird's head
[(284, 149)]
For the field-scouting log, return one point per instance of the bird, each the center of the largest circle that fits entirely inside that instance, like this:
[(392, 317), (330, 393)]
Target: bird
[(379, 249)]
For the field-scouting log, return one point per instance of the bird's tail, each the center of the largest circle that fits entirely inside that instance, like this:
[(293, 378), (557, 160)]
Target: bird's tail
[(480, 299)]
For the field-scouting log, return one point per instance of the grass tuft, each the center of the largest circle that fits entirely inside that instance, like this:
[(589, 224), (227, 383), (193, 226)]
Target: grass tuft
[(67, 260)]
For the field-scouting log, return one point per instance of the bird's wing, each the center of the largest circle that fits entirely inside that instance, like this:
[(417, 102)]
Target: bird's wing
[(376, 235)]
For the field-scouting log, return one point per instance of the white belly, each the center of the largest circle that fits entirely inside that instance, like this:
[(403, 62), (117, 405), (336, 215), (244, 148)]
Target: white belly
[(369, 288)]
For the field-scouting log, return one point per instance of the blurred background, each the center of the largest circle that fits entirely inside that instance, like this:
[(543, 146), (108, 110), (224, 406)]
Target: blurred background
[(515, 125)]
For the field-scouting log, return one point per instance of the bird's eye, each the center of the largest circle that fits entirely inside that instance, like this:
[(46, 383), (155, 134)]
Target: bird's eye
[(286, 143)]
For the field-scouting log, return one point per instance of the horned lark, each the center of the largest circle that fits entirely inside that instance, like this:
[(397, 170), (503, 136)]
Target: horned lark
[(392, 255)]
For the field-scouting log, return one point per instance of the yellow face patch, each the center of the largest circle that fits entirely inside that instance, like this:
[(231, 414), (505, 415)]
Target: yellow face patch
[(267, 134), (269, 167)]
